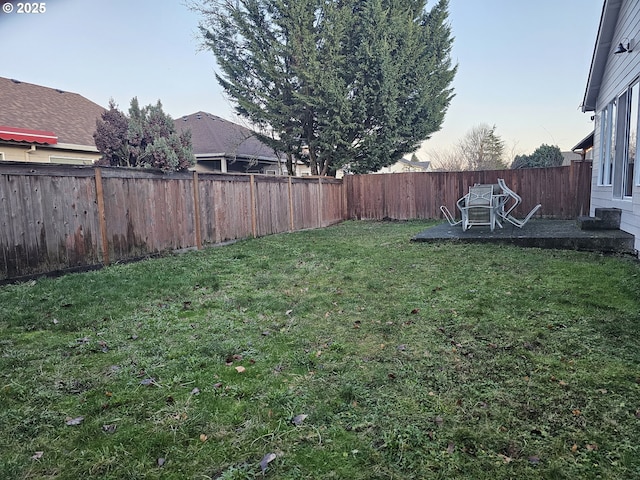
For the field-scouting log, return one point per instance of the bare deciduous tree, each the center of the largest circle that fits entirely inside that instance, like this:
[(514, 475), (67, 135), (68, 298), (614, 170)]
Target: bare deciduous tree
[(479, 149)]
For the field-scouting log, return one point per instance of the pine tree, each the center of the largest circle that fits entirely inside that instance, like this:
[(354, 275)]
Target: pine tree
[(358, 83)]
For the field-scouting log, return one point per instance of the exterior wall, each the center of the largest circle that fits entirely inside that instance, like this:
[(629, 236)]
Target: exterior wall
[(46, 154), (620, 72), (401, 167)]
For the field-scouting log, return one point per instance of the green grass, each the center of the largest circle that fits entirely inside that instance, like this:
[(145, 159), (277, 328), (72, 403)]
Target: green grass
[(410, 360)]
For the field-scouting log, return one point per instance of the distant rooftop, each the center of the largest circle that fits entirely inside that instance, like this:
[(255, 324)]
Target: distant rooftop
[(70, 116), (212, 135)]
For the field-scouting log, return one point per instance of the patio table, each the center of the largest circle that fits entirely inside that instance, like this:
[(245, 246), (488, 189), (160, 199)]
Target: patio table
[(486, 204)]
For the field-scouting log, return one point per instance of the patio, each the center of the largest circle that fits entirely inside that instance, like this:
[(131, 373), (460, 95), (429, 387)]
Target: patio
[(540, 233)]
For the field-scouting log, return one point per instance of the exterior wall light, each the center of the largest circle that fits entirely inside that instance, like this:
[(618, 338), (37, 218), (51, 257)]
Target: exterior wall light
[(624, 46)]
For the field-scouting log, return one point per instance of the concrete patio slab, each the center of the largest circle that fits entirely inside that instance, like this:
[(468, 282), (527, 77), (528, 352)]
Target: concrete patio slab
[(540, 233)]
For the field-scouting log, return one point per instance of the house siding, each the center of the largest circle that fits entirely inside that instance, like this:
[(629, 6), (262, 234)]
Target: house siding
[(621, 70), (44, 154)]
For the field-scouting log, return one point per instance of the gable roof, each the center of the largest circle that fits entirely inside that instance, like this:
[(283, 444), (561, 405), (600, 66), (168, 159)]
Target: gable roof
[(585, 143), (71, 117), (417, 165), (215, 136), (606, 30)]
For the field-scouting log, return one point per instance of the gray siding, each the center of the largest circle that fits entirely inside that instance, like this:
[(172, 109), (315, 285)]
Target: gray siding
[(619, 73)]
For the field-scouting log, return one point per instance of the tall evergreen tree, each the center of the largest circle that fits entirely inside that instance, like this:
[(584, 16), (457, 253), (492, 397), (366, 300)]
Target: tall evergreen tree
[(359, 83)]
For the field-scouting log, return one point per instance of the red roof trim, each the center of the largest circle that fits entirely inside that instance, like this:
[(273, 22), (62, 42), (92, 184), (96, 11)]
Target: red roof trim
[(25, 135)]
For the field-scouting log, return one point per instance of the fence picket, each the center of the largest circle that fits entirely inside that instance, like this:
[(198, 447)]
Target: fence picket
[(57, 217)]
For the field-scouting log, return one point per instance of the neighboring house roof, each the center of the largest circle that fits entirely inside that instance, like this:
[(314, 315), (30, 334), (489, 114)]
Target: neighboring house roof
[(606, 30), (584, 144), (416, 165), (71, 117), (568, 157), (213, 136)]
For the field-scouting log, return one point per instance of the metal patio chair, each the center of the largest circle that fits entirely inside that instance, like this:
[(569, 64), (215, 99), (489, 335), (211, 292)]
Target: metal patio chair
[(515, 199), (478, 207)]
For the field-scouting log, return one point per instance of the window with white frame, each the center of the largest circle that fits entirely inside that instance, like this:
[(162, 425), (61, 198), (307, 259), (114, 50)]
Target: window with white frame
[(618, 126), (630, 174), (607, 132), (70, 160)]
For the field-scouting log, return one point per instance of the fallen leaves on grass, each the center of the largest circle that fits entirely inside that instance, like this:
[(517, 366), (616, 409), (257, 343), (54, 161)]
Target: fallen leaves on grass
[(37, 456), (74, 421), (240, 369), (268, 458), (298, 419), (505, 458), (111, 428)]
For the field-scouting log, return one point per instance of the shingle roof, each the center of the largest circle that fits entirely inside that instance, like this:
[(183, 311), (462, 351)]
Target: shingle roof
[(214, 135), (601, 52), (420, 165), (69, 115)]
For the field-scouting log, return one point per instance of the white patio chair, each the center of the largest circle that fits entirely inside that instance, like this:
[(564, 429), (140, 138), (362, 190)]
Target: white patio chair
[(450, 218), (478, 207), (505, 212)]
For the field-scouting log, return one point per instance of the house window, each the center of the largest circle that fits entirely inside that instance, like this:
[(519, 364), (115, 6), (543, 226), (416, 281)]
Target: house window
[(619, 140), (630, 172), (70, 160), (607, 145), (626, 139), (618, 124)]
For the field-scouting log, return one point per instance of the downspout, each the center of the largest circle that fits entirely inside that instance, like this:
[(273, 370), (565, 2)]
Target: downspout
[(31, 150)]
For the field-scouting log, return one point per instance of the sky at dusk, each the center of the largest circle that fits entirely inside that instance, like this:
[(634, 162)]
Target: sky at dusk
[(522, 65)]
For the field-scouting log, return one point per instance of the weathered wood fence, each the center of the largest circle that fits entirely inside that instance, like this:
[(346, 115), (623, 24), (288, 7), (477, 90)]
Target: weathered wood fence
[(564, 192), (57, 218), (61, 218)]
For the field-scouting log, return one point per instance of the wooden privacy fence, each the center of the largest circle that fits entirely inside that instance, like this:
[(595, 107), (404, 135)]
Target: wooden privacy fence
[(564, 192), (56, 217)]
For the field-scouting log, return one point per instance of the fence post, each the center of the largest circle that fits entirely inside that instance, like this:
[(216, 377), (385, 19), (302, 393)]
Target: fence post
[(291, 220), (254, 228), (320, 202), (101, 216), (196, 210)]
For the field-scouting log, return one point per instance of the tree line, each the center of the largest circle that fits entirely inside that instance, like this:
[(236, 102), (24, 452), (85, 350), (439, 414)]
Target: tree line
[(481, 148)]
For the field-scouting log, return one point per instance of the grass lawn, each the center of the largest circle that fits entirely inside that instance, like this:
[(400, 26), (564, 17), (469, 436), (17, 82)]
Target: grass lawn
[(347, 352)]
